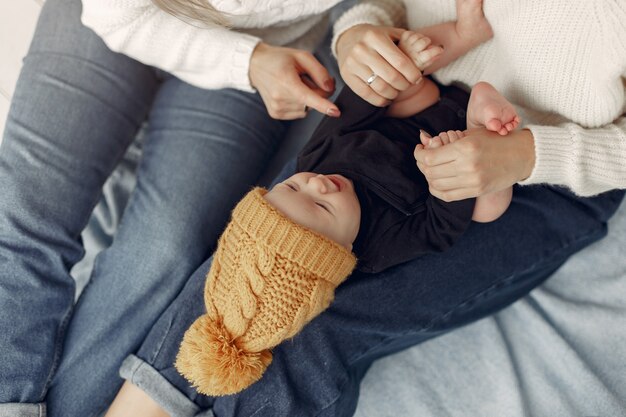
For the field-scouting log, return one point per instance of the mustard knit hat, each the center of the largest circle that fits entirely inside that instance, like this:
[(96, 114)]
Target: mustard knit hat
[(269, 277)]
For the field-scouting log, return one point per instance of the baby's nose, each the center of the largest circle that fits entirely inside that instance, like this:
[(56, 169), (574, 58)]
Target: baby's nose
[(320, 183)]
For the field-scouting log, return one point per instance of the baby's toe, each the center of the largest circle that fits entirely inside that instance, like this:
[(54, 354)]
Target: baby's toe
[(494, 125), (457, 135), (435, 142)]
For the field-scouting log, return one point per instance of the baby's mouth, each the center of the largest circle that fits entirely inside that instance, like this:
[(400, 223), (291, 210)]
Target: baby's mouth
[(336, 181)]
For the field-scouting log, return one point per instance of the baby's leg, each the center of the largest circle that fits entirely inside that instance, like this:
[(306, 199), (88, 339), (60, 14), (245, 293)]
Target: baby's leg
[(456, 38), (414, 99), (488, 108), (471, 24), (435, 47), (488, 207)]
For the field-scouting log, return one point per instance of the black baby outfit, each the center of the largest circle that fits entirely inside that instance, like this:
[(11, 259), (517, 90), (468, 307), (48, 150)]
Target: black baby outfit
[(400, 219)]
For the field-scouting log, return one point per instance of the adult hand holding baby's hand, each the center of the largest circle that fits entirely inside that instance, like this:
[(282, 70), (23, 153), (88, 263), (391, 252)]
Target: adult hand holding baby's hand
[(281, 75), (479, 163), (366, 50)]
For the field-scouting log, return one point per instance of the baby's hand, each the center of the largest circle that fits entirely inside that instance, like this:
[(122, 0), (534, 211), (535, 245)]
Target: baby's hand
[(418, 47)]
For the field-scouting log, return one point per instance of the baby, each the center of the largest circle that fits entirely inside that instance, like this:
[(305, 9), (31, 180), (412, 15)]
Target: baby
[(357, 182), (358, 191)]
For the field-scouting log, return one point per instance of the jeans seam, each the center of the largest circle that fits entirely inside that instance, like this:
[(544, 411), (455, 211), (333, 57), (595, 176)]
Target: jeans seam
[(58, 350), (446, 315), (256, 413), (60, 340), (159, 346)]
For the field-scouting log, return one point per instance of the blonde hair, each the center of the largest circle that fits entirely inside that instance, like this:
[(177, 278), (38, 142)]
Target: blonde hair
[(196, 10)]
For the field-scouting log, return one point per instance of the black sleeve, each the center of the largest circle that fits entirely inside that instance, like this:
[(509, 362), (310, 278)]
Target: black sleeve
[(356, 114), (434, 229), (329, 142)]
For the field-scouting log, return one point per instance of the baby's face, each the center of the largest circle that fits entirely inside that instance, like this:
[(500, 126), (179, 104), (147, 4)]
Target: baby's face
[(326, 204)]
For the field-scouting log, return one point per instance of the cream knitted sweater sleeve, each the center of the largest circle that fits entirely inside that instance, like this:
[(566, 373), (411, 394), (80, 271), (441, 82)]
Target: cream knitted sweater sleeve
[(209, 57), (565, 61), (589, 160)]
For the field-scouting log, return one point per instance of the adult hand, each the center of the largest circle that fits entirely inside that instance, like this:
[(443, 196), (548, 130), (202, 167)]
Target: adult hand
[(290, 81), (367, 50), (479, 163)]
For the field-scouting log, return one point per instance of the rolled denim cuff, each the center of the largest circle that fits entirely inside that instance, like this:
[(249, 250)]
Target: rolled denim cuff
[(22, 410), (144, 376)]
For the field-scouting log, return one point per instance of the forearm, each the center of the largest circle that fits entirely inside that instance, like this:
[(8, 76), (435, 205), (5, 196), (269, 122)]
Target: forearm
[(207, 56), (454, 45)]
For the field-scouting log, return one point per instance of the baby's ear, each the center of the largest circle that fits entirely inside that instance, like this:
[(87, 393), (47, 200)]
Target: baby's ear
[(425, 138)]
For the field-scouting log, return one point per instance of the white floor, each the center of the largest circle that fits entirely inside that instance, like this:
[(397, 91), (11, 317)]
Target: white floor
[(17, 24)]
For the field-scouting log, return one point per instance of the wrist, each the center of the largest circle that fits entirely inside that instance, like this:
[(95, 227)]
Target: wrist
[(527, 154), (256, 61), (467, 41), (472, 33)]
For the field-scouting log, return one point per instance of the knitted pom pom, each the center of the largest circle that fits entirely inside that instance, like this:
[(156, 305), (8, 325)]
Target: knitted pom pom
[(212, 363)]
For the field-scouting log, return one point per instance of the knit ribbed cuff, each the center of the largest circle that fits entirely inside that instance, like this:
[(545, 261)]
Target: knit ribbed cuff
[(554, 156), (316, 253), (239, 75), (218, 58), (367, 13)]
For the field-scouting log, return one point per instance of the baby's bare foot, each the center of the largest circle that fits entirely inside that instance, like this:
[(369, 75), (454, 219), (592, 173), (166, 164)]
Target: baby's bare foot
[(471, 23), (488, 108), (418, 47)]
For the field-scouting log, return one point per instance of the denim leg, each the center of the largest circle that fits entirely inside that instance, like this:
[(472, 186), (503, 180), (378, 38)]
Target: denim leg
[(202, 152), (318, 372), (76, 108)]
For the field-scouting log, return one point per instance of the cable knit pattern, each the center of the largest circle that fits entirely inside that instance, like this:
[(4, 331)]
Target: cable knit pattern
[(269, 277), (565, 60), (204, 54)]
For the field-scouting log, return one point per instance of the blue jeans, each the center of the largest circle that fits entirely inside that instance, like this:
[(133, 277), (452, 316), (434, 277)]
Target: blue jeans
[(318, 372), (76, 109)]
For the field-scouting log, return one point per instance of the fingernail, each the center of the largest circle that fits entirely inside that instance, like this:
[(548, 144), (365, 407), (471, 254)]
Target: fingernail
[(332, 112), (329, 85), (419, 80)]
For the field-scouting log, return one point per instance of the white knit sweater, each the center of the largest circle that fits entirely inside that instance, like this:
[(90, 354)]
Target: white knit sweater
[(206, 55), (565, 60)]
